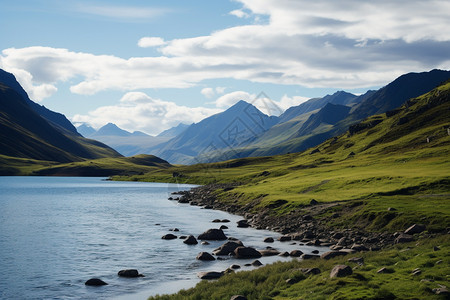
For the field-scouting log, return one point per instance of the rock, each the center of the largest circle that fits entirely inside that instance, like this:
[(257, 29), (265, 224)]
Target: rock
[(291, 281), (222, 227), (313, 271), (416, 228), (315, 252), (285, 238), (285, 254), (227, 248), (191, 240), (436, 248), (129, 273), (332, 254), (336, 247), (213, 235), (238, 297), (246, 252), (235, 267), (359, 248), (391, 209), (309, 256), (256, 263), (356, 260), (403, 238), (268, 240), (174, 229), (216, 221), (95, 282), (225, 221), (295, 253), (205, 243), (313, 202), (242, 224), (341, 271), (209, 275), (182, 237), (441, 290), (205, 256), (337, 235), (269, 252), (169, 236)]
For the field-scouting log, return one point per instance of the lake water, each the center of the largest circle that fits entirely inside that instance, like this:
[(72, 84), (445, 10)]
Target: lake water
[(58, 232)]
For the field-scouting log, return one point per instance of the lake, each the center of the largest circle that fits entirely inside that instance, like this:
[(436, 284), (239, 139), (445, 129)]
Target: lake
[(58, 232)]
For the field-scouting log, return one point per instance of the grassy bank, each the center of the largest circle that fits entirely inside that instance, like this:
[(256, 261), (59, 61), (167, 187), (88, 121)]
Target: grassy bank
[(397, 282)]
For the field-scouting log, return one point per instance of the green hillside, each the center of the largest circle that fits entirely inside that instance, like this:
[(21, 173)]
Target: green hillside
[(396, 159)]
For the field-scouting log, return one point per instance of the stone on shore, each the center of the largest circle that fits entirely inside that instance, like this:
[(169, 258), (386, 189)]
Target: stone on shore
[(95, 282), (227, 248), (256, 263), (404, 238), (243, 224), (246, 252), (268, 240), (238, 297), (296, 253), (416, 228), (205, 256), (209, 275), (269, 252), (213, 234), (332, 254), (309, 256), (341, 271)]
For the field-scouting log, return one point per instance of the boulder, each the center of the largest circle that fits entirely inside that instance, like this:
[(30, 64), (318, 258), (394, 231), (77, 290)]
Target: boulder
[(235, 267), (129, 273), (225, 221), (285, 238), (95, 282), (216, 221), (341, 271), (227, 248), (169, 236), (213, 235), (269, 252), (246, 252), (243, 224), (268, 240), (223, 227), (295, 253), (285, 254), (416, 228), (191, 240), (209, 275), (356, 260), (205, 256), (256, 263), (359, 248), (332, 254), (309, 256)]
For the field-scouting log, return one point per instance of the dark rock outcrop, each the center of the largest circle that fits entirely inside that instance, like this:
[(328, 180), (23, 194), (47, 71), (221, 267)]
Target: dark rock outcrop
[(205, 256), (209, 275), (213, 234), (191, 240), (416, 228), (246, 252), (169, 236), (332, 254), (95, 282), (129, 273), (227, 248), (341, 271)]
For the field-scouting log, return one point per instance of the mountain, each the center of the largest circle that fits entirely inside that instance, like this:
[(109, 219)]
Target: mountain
[(85, 130), (237, 126), (26, 134), (111, 129), (340, 97), (301, 138), (55, 118), (174, 131)]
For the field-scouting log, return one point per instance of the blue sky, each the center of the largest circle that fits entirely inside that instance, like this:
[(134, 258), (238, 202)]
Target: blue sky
[(147, 65)]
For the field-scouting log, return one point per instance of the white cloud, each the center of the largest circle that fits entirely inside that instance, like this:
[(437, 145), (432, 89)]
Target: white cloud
[(345, 44), (208, 92), (239, 13), (232, 98), (138, 111), (122, 12), (147, 42)]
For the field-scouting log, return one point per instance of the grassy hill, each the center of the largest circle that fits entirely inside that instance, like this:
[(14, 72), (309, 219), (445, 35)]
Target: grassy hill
[(383, 175), (399, 159)]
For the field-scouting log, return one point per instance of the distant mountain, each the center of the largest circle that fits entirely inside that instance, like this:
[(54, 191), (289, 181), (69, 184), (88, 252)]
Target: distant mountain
[(111, 129), (85, 130), (235, 127), (174, 131), (26, 134), (340, 97), (313, 127), (58, 119)]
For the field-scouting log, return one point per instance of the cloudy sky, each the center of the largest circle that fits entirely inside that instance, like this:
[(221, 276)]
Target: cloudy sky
[(147, 65)]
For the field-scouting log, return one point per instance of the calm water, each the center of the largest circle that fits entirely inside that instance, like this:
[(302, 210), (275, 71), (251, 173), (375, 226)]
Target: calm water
[(57, 232)]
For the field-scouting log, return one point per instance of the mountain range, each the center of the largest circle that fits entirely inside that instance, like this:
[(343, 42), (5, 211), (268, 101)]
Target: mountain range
[(29, 130)]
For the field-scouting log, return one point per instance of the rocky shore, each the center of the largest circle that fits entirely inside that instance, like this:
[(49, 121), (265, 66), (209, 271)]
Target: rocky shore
[(300, 224)]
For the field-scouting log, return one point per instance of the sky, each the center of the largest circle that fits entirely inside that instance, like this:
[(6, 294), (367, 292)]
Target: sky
[(148, 65)]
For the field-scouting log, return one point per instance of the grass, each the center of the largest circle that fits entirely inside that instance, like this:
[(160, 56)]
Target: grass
[(269, 282)]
